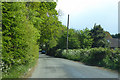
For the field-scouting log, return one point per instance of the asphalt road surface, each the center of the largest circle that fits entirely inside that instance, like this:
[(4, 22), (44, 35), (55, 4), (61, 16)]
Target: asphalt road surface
[(50, 67)]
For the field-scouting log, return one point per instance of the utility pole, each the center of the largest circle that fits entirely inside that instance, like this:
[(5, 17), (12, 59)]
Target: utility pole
[(67, 34)]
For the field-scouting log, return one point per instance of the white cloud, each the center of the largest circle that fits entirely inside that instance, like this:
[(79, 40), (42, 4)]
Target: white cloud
[(80, 6), (84, 13)]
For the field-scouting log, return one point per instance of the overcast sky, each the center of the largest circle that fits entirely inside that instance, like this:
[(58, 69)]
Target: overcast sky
[(85, 13)]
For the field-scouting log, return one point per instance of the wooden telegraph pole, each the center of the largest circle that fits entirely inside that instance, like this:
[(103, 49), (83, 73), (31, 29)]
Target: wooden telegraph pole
[(67, 34)]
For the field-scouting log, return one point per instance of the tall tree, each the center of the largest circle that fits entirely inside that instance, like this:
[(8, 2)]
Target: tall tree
[(73, 42), (44, 17), (49, 25), (85, 38), (98, 35)]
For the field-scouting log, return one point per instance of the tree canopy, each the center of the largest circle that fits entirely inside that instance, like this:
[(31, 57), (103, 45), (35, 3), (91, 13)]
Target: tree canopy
[(25, 27), (116, 35), (98, 35)]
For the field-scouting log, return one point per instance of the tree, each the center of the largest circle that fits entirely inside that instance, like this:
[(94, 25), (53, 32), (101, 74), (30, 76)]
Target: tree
[(49, 26), (108, 36), (116, 35), (73, 42), (44, 17), (98, 35), (19, 36), (85, 38)]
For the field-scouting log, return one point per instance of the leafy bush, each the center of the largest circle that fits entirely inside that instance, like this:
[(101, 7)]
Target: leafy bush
[(19, 37), (58, 53), (112, 59), (95, 56)]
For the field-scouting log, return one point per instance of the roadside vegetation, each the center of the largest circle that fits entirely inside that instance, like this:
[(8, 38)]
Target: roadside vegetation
[(102, 57), (92, 48), (28, 27)]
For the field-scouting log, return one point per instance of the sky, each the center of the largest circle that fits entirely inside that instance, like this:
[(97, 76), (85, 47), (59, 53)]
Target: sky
[(85, 13)]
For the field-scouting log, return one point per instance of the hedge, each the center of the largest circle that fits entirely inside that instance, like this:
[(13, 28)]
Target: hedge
[(19, 38), (103, 57)]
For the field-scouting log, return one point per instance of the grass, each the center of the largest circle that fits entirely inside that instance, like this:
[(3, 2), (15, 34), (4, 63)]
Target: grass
[(19, 71)]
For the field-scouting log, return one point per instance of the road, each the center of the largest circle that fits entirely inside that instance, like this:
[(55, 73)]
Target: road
[(50, 67)]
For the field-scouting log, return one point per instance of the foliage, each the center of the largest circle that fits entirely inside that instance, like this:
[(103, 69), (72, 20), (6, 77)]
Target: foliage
[(18, 72), (85, 38), (98, 35), (95, 56), (108, 36), (48, 24), (76, 39), (112, 59), (19, 37), (25, 26), (0, 53), (116, 35), (73, 41), (28, 27)]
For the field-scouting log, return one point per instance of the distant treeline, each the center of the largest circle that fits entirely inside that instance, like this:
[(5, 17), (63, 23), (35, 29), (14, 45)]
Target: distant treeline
[(116, 35), (82, 39)]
